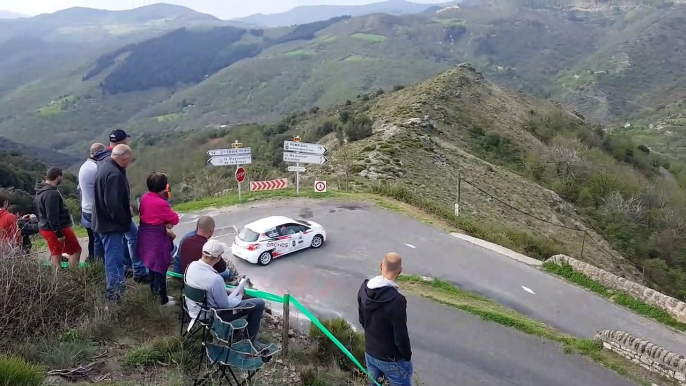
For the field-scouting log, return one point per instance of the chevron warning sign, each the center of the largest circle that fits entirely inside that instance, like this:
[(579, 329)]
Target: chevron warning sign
[(256, 186)]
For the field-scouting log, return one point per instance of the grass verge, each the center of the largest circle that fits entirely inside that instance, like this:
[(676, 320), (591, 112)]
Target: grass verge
[(567, 272), (447, 294)]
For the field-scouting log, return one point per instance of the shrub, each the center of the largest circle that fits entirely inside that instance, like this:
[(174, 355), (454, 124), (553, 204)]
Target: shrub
[(15, 371), (36, 300), (159, 351), (398, 87), (349, 338), (359, 128)]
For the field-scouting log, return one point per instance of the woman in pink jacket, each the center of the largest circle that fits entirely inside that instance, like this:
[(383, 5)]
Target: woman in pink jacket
[(154, 236)]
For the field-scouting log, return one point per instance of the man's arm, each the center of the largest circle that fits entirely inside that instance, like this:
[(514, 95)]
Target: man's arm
[(52, 212), (28, 228), (360, 309), (400, 333), (222, 297)]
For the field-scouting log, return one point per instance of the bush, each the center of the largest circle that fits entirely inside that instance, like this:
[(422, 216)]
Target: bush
[(160, 351), (35, 300), (349, 338), (398, 87), (359, 128), (15, 371)]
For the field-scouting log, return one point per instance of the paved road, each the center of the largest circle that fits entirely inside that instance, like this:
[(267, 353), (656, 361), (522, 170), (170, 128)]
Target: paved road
[(449, 345)]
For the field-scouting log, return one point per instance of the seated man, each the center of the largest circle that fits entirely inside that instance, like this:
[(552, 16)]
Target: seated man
[(202, 275), (28, 226), (190, 249)]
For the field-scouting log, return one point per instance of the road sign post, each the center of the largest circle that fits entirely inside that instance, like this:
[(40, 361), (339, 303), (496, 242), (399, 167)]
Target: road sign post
[(236, 156), (302, 152)]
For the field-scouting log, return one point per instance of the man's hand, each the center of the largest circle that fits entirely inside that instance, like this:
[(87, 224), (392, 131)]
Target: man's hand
[(33, 218), (62, 239)]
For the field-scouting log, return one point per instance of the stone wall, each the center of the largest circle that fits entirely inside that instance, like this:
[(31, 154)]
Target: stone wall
[(646, 354), (673, 306)]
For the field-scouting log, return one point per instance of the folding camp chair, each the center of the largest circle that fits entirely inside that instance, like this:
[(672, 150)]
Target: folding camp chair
[(230, 352)]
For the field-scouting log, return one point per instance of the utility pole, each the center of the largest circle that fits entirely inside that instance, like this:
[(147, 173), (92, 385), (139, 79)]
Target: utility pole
[(297, 173), (583, 243), (237, 145), (457, 195)]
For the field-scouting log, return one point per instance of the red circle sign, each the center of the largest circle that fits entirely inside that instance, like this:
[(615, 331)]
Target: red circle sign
[(320, 186), (240, 174)]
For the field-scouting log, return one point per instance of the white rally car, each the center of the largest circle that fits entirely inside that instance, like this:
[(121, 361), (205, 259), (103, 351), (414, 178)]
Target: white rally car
[(275, 236)]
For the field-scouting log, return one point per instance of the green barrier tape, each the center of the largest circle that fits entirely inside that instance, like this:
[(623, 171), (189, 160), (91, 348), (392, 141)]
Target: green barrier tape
[(254, 293), (280, 299), (328, 334)]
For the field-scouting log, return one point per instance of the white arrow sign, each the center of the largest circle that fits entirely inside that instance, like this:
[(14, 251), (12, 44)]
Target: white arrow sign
[(236, 151), (299, 169), (227, 160), (303, 158), (303, 147)]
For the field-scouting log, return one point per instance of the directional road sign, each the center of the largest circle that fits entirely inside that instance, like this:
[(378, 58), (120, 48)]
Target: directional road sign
[(236, 151), (303, 158), (303, 147), (268, 185), (227, 160), (299, 169)]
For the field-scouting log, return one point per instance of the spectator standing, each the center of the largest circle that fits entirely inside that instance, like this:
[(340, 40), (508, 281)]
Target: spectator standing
[(112, 216), (154, 242), (28, 226), (383, 315), (9, 232), (86, 186), (191, 249), (202, 275), (55, 221), (131, 260)]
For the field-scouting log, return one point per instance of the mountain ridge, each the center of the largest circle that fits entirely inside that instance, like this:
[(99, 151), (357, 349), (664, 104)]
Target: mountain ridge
[(311, 13)]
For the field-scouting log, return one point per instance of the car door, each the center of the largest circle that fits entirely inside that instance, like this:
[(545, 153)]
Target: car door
[(277, 243), (293, 234)]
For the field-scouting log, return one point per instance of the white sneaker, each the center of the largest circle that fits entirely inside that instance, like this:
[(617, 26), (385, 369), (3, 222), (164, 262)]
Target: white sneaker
[(171, 299), (170, 303)]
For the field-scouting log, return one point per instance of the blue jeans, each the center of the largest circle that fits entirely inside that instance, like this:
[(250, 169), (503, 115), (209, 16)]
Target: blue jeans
[(131, 259), (398, 373), (254, 316), (114, 264)]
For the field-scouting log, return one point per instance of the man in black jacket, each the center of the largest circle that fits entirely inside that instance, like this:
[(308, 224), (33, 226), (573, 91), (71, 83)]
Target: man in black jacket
[(54, 220), (383, 316), (112, 215)]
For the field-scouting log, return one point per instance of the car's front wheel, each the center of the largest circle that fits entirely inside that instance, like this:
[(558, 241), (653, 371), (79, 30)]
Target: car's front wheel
[(265, 258), (317, 241)]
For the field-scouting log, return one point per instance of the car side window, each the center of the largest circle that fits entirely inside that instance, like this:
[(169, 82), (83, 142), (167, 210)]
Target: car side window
[(272, 233), (288, 229)]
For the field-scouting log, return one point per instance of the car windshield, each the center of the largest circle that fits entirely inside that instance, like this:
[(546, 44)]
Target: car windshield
[(248, 235)]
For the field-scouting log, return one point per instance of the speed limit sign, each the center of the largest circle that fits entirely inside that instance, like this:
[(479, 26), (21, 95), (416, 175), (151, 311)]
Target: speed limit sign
[(320, 186)]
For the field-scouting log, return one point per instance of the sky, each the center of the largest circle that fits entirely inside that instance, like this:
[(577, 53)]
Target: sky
[(224, 9)]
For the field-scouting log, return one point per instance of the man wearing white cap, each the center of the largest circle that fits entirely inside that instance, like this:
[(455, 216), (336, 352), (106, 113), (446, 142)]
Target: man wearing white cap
[(200, 274)]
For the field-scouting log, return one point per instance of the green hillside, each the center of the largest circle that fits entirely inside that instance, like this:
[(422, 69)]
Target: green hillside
[(611, 65)]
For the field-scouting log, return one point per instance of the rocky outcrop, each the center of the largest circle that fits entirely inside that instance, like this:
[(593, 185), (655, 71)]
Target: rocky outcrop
[(648, 295), (644, 353)]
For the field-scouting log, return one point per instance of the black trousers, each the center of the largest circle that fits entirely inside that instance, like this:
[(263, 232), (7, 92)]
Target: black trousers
[(158, 285), (91, 242)]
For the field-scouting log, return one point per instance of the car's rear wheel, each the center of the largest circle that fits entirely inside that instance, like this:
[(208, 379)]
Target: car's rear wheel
[(317, 241), (265, 258)]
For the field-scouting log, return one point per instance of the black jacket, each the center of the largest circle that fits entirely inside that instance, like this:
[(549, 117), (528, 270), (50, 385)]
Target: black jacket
[(53, 215), (27, 229), (111, 203), (383, 315)]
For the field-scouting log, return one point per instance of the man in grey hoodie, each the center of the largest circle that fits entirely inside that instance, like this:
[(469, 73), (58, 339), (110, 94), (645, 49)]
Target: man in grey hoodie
[(383, 315), (87, 190)]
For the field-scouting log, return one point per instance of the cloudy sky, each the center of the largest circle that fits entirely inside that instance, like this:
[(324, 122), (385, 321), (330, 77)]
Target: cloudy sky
[(224, 9)]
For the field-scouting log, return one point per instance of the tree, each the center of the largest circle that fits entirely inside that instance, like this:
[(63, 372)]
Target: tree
[(360, 127)]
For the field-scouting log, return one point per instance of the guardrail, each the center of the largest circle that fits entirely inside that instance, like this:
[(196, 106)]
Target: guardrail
[(288, 299)]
